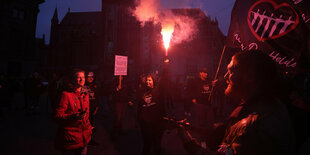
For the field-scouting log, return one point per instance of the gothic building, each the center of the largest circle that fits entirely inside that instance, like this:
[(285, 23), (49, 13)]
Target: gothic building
[(19, 55), (76, 41), (90, 40)]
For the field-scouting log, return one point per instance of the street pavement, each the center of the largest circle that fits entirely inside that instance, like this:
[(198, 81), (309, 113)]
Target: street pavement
[(25, 134)]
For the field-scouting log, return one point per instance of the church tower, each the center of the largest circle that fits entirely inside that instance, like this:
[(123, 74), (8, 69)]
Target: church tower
[(55, 22)]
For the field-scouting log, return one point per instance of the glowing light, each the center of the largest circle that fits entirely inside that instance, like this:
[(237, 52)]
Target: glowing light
[(166, 33)]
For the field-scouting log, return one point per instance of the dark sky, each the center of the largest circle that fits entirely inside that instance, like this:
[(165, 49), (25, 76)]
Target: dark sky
[(219, 9)]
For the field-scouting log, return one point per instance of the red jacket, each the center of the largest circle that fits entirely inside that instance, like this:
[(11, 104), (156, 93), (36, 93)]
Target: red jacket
[(72, 133)]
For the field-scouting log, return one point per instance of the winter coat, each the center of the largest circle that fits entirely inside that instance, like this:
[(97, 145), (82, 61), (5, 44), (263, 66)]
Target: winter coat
[(72, 133)]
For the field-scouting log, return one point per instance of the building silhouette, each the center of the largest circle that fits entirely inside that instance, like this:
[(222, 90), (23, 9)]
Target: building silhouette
[(76, 40), (90, 40), (19, 48)]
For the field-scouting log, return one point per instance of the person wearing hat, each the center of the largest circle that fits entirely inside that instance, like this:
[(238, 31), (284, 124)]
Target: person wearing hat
[(199, 90), (91, 88)]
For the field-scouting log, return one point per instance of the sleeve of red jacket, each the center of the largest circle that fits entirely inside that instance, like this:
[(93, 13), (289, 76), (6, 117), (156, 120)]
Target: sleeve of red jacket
[(60, 115)]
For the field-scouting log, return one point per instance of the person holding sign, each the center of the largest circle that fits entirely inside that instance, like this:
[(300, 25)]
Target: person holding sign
[(120, 99), (120, 94)]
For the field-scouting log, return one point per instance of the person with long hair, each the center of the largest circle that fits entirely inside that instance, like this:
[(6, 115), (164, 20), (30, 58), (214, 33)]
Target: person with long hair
[(92, 89), (150, 113), (72, 116)]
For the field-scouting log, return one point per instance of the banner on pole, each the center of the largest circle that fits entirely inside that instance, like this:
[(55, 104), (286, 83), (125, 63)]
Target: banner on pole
[(120, 65), (277, 27)]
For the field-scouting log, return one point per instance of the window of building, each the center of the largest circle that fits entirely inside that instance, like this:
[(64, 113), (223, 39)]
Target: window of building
[(21, 15), (15, 13), (110, 47), (18, 14), (110, 30)]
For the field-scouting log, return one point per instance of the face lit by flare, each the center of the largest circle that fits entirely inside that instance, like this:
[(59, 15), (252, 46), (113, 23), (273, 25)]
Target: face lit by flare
[(203, 75), (90, 79), (149, 82), (80, 79), (231, 78)]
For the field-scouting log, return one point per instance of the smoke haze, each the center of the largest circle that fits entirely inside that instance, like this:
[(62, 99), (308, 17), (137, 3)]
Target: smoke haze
[(146, 10), (152, 10)]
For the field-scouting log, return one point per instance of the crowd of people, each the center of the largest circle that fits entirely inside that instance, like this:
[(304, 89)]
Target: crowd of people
[(266, 121)]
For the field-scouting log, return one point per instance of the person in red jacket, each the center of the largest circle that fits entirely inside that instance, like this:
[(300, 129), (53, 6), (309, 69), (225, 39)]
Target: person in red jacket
[(72, 116)]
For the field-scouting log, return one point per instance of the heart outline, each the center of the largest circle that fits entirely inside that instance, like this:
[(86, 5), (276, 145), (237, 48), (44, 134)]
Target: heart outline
[(275, 7)]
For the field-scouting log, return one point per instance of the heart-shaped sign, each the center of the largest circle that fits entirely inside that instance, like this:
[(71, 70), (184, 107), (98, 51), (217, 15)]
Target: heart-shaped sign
[(268, 20)]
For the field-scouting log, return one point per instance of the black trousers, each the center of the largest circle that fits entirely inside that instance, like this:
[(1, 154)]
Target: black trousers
[(152, 137)]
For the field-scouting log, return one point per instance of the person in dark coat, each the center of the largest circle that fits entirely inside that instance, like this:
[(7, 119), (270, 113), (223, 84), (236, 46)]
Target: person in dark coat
[(92, 90), (198, 91), (260, 124), (121, 97), (150, 113), (4, 93), (35, 92), (27, 90), (53, 90)]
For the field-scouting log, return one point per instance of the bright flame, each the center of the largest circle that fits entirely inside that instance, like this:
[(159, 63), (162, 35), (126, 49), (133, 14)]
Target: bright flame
[(166, 32)]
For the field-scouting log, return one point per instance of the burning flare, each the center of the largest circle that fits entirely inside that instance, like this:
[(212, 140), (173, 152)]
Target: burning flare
[(166, 32), (182, 26)]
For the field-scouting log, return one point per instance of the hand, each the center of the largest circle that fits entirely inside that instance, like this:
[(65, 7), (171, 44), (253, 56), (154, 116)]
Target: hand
[(184, 124), (118, 88), (130, 103), (80, 115), (225, 150), (214, 82), (96, 110)]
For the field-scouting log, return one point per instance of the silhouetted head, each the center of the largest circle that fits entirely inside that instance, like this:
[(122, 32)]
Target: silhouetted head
[(203, 73), (90, 77), (36, 75), (251, 73)]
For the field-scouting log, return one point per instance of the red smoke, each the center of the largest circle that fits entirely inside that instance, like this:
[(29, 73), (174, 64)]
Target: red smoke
[(152, 10)]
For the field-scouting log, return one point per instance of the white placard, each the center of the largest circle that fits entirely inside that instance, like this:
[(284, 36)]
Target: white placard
[(120, 65)]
